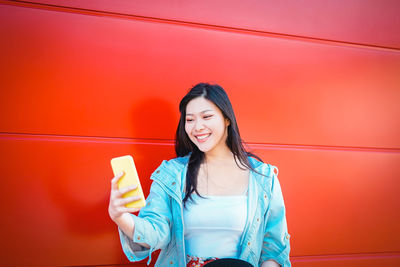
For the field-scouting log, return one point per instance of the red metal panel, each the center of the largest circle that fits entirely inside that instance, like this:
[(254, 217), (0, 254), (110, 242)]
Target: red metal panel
[(371, 22), (339, 201), (124, 78)]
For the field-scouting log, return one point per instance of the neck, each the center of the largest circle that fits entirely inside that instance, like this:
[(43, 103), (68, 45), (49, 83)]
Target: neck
[(221, 155)]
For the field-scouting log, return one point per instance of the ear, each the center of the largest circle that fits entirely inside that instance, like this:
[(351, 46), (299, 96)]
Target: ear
[(227, 122)]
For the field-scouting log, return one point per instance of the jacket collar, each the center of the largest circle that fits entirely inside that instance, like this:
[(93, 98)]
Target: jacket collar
[(172, 175)]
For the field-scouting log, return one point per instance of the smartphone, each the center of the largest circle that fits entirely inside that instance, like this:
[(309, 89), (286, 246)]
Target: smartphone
[(127, 165)]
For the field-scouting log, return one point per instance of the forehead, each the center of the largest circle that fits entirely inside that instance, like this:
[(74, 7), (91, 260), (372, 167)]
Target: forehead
[(200, 104)]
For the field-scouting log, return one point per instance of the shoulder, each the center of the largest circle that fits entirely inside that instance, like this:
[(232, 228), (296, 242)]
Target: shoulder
[(174, 165), (263, 168), (265, 174), (170, 175), (171, 169)]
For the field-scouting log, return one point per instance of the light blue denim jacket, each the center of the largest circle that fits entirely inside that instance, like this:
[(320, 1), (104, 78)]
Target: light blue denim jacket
[(160, 223)]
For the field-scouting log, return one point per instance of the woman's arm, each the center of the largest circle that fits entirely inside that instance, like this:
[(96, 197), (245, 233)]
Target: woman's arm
[(150, 230), (117, 210)]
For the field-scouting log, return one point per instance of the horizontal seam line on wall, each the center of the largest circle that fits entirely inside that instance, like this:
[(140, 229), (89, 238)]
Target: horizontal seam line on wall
[(322, 147), (348, 256), (171, 142), (107, 265), (199, 25)]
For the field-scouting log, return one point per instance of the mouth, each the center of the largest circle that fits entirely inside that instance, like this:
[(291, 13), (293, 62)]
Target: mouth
[(202, 137)]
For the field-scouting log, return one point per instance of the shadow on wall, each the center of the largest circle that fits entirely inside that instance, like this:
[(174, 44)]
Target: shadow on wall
[(155, 118)]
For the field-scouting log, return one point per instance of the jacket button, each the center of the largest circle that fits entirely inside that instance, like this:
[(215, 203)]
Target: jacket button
[(265, 196), (287, 236), (258, 219), (248, 243), (138, 238), (173, 183), (171, 262), (158, 171)]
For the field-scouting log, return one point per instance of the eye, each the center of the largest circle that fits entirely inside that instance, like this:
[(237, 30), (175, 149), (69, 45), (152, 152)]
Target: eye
[(207, 116), (189, 119)]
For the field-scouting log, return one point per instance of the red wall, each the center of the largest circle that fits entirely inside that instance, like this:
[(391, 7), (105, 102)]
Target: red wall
[(315, 86)]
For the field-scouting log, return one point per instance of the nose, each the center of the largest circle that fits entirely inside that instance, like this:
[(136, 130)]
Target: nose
[(199, 125)]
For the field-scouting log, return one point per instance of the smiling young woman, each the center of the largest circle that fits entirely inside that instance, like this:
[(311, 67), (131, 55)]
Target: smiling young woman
[(206, 126), (215, 201)]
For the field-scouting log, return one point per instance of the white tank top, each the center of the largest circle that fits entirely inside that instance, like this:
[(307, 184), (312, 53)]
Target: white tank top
[(214, 225)]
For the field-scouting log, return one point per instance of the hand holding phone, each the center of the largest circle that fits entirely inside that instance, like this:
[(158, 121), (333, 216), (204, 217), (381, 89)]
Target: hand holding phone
[(129, 179)]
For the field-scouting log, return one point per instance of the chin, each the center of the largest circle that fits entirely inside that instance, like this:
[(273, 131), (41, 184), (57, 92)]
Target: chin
[(204, 149)]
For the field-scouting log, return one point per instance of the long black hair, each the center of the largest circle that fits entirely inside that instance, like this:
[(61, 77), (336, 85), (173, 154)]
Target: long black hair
[(184, 146)]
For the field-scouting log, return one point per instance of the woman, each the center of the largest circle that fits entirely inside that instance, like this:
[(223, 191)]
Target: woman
[(214, 201)]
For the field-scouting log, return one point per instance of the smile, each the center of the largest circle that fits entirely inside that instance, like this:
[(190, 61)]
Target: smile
[(202, 137)]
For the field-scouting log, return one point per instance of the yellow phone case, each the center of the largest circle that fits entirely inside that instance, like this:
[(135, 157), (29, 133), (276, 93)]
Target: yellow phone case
[(127, 165)]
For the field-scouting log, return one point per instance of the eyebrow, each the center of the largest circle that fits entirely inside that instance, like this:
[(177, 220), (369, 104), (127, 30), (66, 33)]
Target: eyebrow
[(204, 111)]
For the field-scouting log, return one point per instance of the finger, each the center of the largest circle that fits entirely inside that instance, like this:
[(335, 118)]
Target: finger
[(125, 190), (119, 202), (130, 200), (130, 210), (115, 179)]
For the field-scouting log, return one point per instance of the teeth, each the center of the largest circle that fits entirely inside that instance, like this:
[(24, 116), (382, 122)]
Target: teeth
[(203, 136)]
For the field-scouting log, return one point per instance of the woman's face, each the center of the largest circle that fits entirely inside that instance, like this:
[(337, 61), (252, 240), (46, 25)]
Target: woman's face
[(205, 125)]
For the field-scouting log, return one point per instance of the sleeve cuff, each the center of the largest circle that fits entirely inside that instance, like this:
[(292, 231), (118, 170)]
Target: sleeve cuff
[(130, 246), (132, 250), (282, 258)]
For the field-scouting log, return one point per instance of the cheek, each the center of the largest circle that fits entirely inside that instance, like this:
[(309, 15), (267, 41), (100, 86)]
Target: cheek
[(187, 129), (220, 127)]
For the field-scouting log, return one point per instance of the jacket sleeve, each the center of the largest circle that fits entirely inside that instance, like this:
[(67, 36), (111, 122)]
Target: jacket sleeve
[(152, 226), (276, 244)]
